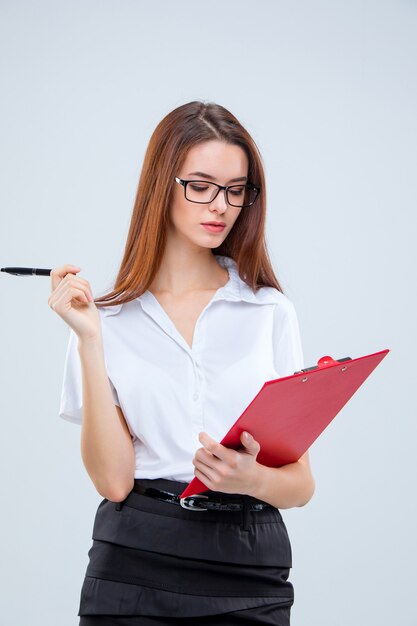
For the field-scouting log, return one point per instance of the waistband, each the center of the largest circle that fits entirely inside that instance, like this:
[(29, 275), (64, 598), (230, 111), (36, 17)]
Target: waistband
[(265, 513), (215, 501)]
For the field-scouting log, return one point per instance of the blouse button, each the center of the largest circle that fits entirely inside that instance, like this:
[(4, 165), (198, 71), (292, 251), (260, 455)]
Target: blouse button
[(195, 396)]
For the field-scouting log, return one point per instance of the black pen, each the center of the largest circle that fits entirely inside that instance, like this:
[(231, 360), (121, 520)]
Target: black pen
[(26, 271)]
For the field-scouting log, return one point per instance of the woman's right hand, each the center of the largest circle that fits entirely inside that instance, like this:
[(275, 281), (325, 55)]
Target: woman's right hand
[(72, 299)]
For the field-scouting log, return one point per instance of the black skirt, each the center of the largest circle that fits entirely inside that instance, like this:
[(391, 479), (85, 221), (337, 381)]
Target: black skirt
[(153, 563)]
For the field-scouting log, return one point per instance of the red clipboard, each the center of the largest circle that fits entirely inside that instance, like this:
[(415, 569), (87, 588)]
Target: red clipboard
[(289, 413)]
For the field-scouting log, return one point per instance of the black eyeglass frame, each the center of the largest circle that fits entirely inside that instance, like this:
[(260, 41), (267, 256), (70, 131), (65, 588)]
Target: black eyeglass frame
[(184, 183)]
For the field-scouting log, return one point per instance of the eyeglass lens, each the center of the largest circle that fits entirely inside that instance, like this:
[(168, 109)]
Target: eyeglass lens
[(237, 195)]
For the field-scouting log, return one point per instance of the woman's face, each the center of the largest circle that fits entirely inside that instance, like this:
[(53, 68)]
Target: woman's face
[(218, 162)]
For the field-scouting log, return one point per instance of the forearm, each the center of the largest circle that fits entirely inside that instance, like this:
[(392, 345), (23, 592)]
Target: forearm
[(106, 450), (284, 487)]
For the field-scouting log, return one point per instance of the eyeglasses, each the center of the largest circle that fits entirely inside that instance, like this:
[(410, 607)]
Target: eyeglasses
[(204, 192)]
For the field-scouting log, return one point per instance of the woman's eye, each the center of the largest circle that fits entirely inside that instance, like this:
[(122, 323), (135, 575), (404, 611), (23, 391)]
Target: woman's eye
[(198, 187), (237, 192)]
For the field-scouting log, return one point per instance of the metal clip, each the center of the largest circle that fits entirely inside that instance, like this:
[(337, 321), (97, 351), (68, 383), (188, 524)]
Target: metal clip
[(186, 505)]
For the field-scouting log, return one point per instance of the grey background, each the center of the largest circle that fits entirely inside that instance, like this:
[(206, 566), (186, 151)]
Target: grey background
[(328, 91)]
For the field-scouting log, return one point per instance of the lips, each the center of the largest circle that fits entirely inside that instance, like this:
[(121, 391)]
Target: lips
[(214, 223)]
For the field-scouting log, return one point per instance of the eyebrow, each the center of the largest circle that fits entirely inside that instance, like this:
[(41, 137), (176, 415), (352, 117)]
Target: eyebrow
[(232, 180)]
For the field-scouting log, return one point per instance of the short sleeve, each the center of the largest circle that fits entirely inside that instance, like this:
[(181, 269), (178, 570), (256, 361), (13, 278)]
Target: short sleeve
[(71, 395), (288, 351)]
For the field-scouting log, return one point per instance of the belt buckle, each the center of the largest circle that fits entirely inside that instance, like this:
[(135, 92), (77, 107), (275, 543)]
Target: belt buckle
[(190, 506)]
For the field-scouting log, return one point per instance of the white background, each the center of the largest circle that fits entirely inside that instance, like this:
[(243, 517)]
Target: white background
[(328, 91)]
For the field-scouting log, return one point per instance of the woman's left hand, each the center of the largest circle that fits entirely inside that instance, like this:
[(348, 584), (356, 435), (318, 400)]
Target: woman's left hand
[(224, 469)]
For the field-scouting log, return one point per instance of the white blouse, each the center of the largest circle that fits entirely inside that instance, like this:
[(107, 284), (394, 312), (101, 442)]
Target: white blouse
[(169, 392)]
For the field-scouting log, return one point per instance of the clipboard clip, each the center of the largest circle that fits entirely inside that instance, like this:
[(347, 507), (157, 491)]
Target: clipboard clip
[(325, 361)]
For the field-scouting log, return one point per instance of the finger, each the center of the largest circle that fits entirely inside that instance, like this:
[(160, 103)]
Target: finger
[(249, 442), (72, 281), (75, 292), (77, 281), (69, 298), (204, 454), (207, 459), (58, 273), (204, 478), (213, 446), (61, 303), (65, 286)]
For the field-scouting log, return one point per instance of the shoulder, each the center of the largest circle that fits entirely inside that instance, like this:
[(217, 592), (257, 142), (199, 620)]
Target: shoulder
[(284, 312), (282, 307), (270, 295)]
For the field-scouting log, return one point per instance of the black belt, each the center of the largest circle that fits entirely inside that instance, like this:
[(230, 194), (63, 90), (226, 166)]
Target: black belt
[(203, 502)]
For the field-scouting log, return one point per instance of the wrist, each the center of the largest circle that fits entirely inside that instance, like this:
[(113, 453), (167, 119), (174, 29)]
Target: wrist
[(93, 343), (259, 479)]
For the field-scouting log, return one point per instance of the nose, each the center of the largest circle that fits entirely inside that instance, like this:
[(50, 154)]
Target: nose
[(219, 203)]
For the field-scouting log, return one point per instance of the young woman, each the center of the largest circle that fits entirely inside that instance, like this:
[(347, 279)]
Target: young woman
[(158, 370)]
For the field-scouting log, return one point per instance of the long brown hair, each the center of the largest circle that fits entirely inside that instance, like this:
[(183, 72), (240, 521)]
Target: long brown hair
[(184, 127)]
